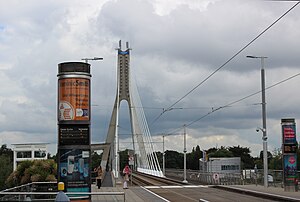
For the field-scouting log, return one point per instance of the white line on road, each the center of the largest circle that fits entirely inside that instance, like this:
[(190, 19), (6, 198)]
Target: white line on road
[(203, 200), (155, 194)]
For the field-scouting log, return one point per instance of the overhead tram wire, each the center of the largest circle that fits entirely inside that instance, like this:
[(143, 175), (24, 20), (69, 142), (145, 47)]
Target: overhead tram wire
[(224, 64), (239, 100)]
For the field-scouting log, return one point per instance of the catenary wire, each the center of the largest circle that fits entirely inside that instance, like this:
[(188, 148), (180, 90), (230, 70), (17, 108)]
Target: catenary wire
[(225, 63), (236, 101)]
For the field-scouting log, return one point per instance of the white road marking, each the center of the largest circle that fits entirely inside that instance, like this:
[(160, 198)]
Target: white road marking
[(155, 194), (176, 187), (171, 187), (203, 200)]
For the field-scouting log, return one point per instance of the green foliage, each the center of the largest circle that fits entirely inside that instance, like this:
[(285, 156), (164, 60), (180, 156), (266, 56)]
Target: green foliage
[(160, 158), (193, 158), (276, 161), (174, 159), (95, 160), (6, 151), (222, 152), (123, 158), (247, 161), (5, 169), (33, 171), (54, 157)]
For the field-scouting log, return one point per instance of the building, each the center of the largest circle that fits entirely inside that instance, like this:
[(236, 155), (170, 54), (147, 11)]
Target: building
[(224, 165), (29, 151)]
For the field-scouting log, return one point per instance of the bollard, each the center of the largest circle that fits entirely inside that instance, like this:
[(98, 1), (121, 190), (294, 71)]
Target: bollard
[(61, 196)]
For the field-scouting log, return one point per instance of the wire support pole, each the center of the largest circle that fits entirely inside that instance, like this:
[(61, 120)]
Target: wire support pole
[(264, 117), (264, 122), (184, 154), (164, 162)]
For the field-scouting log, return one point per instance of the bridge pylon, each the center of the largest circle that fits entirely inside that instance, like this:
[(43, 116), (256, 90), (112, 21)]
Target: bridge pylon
[(145, 157)]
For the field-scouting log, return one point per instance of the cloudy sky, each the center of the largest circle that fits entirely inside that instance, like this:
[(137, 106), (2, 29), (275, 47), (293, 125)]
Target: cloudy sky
[(176, 44)]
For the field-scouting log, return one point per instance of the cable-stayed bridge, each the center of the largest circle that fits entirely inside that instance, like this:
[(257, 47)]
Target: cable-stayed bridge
[(145, 158)]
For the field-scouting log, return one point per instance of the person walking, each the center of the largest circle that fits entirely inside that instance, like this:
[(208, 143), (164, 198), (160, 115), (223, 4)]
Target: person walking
[(126, 173), (99, 172)]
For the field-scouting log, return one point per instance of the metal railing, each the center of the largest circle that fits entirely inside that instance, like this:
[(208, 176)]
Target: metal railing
[(46, 191), (31, 196), (34, 187), (275, 177), (195, 176)]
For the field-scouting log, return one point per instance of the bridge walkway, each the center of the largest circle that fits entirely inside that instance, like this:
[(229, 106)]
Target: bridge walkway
[(132, 194)]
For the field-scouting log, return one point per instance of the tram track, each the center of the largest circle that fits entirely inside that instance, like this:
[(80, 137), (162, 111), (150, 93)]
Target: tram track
[(142, 179)]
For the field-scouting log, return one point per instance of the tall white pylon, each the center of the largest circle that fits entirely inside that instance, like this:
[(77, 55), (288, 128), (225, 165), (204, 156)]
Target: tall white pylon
[(145, 157)]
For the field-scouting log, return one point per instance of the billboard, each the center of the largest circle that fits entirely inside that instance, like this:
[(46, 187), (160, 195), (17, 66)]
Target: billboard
[(290, 168), (74, 169), (73, 115), (74, 99), (73, 134), (289, 134), (289, 152)]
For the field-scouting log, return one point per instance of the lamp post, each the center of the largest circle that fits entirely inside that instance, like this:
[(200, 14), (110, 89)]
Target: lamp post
[(184, 155), (264, 129), (87, 59)]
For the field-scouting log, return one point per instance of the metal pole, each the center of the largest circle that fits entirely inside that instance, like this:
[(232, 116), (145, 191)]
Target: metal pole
[(117, 130), (264, 130), (184, 155), (264, 122), (164, 168)]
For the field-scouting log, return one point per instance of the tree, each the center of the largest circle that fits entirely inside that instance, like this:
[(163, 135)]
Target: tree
[(269, 156), (33, 171), (276, 161), (193, 158), (95, 160), (174, 159), (6, 151), (5, 170), (123, 159), (6, 158), (222, 152), (247, 161)]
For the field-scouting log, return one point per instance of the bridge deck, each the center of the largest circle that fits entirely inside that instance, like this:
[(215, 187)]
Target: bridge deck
[(132, 194), (193, 193)]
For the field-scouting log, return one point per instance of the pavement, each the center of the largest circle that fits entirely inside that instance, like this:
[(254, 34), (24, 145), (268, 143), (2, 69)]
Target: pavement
[(275, 193), (137, 194), (110, 193)]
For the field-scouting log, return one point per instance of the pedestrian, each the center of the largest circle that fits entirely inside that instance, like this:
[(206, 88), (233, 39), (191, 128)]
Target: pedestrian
[(126, 173), (99, 172)]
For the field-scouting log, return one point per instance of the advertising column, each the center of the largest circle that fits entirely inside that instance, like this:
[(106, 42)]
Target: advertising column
[(289, 153), (73, 111)]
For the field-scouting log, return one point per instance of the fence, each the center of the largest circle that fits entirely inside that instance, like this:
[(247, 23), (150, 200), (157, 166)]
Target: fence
[(275, 177), (197, 177), (34, 191), (46, 192)]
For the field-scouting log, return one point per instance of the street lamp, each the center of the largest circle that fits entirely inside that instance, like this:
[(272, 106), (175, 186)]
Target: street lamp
[(184, 155), (264, 129), (87, 59)]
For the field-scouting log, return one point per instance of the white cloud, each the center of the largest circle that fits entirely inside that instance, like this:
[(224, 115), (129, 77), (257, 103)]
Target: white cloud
[(176, 44)]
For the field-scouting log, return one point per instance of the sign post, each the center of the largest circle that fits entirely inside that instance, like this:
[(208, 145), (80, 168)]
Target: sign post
[(289, 153)]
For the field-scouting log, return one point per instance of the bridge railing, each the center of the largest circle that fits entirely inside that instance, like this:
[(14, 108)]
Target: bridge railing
[(46, 191), (195, 176), (32, 190), (50, 196)]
